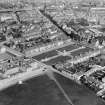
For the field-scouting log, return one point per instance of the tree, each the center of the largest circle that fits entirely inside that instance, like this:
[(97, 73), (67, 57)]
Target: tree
[(83, 22)]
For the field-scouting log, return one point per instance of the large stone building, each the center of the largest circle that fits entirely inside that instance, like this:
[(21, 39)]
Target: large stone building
[(98, 14)]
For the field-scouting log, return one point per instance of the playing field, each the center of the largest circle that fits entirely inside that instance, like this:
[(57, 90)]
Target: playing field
[(43, 91)]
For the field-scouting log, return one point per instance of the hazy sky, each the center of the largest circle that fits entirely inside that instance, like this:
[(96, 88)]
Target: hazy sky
[(48, 0)]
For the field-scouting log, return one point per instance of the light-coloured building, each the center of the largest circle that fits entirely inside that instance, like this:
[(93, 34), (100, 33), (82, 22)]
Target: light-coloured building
[(99, 14)]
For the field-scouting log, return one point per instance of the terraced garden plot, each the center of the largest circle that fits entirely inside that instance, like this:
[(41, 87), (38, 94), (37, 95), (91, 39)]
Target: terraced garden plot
[(58, 59), (46, 55), (81, 51), (68, 48)]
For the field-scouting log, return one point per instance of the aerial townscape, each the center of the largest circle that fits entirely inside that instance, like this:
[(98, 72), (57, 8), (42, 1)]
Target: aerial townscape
[(66, 37)]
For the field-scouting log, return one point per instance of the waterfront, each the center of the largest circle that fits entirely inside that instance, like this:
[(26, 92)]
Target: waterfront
[(43, 91)]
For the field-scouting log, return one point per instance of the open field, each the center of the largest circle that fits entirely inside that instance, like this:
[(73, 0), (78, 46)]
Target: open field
[(43, 91)]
